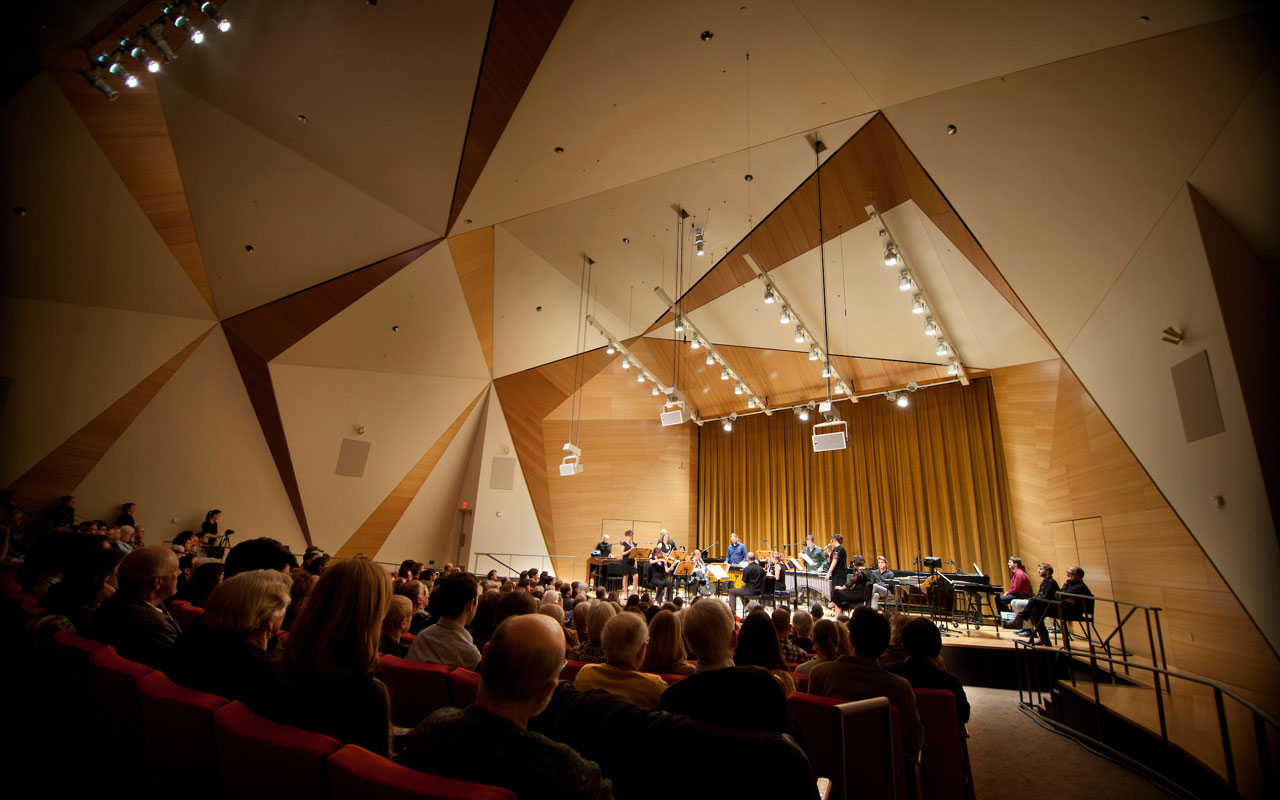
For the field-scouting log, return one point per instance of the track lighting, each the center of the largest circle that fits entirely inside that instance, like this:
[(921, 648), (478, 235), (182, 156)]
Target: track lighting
[(640, 377), (183, 23), (917, 305), (728, 423), (768, 294), (785, 316), (813, 353), (737, 388), (137, 51), (898, 398), (724, 374), (155, 32), (891, 256), (697, 241), (626, 363), (711, 359), (694, 344), (904, 281), (114, 66), (930, 327), (211, 11), (656, 391), (94, 76), (800, 335), (679, 324), (952, 367), (943, 348), (841, 388), (751, 402), (826, 370), (610, 350)]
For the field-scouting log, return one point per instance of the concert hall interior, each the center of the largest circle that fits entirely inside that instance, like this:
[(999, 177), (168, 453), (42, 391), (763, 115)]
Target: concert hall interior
[(330, 272)]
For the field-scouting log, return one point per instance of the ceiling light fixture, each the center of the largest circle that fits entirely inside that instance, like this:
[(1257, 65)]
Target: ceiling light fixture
[(113, 65), (768, 294), (943, 347), (813, 352), (800, 335), (891, 256), (139, 52), (930, 327), (785, 316), (917, 305), (640, 377), (94, 76), (626, 363), (155, 32), (841, 388), (679, 324), (826, 370), (904, 281), (610, 350), (694, 344), (698, 242), (952, 367), (737, 388), (728, 423), (211, 11), (724, 374), (656, 391)]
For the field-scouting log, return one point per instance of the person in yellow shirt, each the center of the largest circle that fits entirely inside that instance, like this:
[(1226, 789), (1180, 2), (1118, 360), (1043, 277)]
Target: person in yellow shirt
[(626, 638)]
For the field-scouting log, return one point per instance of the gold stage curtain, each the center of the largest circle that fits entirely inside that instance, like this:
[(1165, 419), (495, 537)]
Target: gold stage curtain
[(928, 480)]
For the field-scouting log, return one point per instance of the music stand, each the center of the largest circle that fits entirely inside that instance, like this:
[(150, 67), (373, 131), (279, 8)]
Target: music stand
[(936, 615)]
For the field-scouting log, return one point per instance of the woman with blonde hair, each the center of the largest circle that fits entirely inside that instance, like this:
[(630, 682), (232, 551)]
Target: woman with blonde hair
[(827, 641), (226, 651), (666, 654), (328, 677)]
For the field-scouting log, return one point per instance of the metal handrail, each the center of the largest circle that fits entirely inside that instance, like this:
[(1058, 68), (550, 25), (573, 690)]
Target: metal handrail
[(1155, 632), (1261, 719), (541, 557)]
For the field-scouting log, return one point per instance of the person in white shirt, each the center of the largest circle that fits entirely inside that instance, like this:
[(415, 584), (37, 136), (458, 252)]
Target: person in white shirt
[(448, 642)]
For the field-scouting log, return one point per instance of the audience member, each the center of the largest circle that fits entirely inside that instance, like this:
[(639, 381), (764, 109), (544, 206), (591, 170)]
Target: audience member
[(448, 642), (88, 579), (860, 676), (394, 624), (513, 605), (791, 652), (126, 515), (556, 612), (42, 566), (802, 624), (327, 681), (924, 646), (299, 591), (225, 652), (204, 579), (665, 654), (592, 651), (625, 639), (260, 553), (416, 592), (133, 620), (895, 653), (826, 640), (482, 624), (186, 543), (758, 646)]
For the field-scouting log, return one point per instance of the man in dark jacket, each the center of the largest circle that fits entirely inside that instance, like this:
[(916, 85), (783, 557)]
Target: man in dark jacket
[(133, 620), (1038, 606)]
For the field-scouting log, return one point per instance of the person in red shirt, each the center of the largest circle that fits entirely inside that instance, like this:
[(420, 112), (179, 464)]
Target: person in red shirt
[(1019, 584)]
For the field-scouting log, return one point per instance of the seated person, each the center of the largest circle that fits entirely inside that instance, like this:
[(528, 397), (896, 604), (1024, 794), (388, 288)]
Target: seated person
[(592, 650), (660, 578), (416, 592), (752, 583), (133, 620), (448, 642), (1075, 608), (260, 553), (225, 651), (1035, 609), (758, 647), (489, 742), (881, 578), (802, 625), (665, 653), (857, 586), (395, 623), (717, 684), (860, 676), (625, 639), (924, 647), (88, 580), (896, 652), (827, 641), (1019, 585), (791, 652)]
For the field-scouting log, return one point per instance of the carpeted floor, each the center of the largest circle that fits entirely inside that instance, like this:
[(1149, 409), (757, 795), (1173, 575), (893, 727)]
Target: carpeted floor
[(1013, 757)]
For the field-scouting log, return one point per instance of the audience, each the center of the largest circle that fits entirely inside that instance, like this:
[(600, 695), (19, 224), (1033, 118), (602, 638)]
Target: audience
[(665, 654), (556, 612), (204, 579), (791, 652), (416, 592), (88, 579), (758, 646), (133, 619), (395, 624), (895, 653), (482, 624), (489, 742), (299, 591), (625, 639), (327, 679), (260, 553), (448, 642), (829, 644), (924, 647), (514, 605), (802, 623), (225, 652), (592, 651)]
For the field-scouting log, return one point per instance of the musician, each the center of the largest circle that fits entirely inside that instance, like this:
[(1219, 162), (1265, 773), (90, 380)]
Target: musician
[(737, 552), (837, 572), (881, 578), (660, 573), (600, 571), (777, 569), (699, 574), (1019, 585), (1036, 608), (752, 583), (814, 557), (664, 542), (1076, 608), (605, 546), (630, 575), (857, 585)]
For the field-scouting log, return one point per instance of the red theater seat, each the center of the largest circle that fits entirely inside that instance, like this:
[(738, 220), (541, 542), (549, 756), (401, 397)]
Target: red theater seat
[(357, 774), (177, 725), (185, 613), (942, 762), (119, 710), (463, 685), (416, 689), (570, 670), (75, 680), (845, 738), (261, 758)]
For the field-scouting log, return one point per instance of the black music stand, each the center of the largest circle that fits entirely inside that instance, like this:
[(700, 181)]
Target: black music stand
[(936, 613)]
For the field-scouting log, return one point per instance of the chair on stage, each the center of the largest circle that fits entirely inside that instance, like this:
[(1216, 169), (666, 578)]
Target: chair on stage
[(357, 774), (770, 593)]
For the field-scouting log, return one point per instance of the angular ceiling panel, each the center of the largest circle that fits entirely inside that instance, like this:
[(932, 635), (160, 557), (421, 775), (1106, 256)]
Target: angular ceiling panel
[(1061, 171), (631, 91), (402, 416), (425, 301), (954, 44), (386, 90), (305, 224), (88, 357), (114, 258)]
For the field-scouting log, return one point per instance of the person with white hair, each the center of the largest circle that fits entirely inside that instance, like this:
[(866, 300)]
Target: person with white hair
[(625, 639)]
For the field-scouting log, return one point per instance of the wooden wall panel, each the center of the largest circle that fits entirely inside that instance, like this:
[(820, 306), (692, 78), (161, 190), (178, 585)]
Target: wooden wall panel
[(473, 259), (373, 532), (1130, 542), (61, 471), (519, 35)]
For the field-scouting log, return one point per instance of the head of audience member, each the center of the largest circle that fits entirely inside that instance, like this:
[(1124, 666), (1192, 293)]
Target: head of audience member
[(416, 592), (186, 566), (665, 650), (454, 597), (678, 603), (922, 639), (336, 634), (633, 602), (187, 541), (781, 620), (817, 611), (826, 639), (624, 639), (551, 596), (492, 576), (553, 610), (318, 564), (581, 612), (802, 622), (204, 579), (1075, 574), (67, 501), (260, 553), (896, 624), (399, 614), (599, 616), (88, 578), (521, 668), (513, 605), (752, 607), (869, 631), (645, 600), (601, 593), (139, 533), (299, 590), (126, 533), (708, 630), (250, 606), (758, 643), (213, 515), (148, 575), (483, 622), (448, 568)]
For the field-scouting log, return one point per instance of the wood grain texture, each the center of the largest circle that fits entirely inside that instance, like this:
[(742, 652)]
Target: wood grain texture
[(61, 471), (1080, 494), (473, 259), (875, 167), (527, 398), (261, 334), (373, 532), (519, 35), (134, 135)]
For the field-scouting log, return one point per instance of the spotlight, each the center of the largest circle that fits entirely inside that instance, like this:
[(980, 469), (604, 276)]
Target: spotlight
[(942, 347), (724, 374), (890, 256), (800, 336), (144, 57), (626, 364), (813, 353), (694, 344), (94, 77), (655, 391), (902, 401), (737, 388), (826, 370), (156, 34), (679, 324), (953, 368), (751, 402), (697, 241), (711, 360), (841, 388), (117, 69), (785, 316), (803, 413), (183, 23), (640, 377), (930, 327), (611, 349), (211, 11), (904, 281), (768, 294), (728, 423), (917, 305)]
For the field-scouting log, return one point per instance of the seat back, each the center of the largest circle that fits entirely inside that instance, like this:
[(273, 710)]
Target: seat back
[(184, 612), (177, 726), (416, 689), (463, 686), (570, 670), (818, 731), (75, 680), (357, 774), (872, 745), (802, 681), (942, 760), (261, 758), (119, 710)]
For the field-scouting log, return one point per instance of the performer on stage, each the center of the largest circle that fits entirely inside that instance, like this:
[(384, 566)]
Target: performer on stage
[(630, 575), (736, 555), (837, 572), (1019, 585), (660, 574), (699, 575), (856, 586), (777, 569), (880, 581), (813, 557), (599, 571)]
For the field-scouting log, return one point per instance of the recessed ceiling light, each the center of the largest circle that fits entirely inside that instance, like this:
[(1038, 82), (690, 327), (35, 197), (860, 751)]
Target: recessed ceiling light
[(559, 149), (467, 221), (303, 119), (539, 308), (395, 328), (20, 211), (248, 248), (706, 36), (748, 177), (951, 130), (625, 240)]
